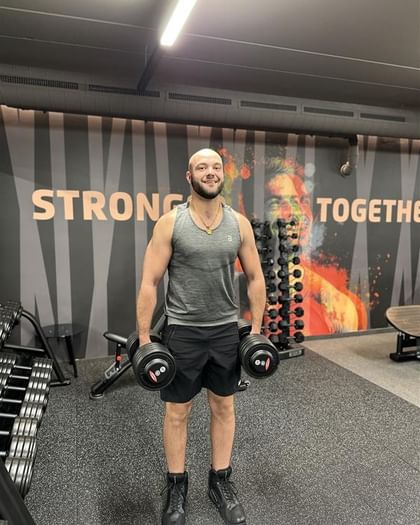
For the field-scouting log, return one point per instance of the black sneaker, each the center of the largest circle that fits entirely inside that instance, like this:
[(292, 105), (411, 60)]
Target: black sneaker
[(223, 494), (176, 494)]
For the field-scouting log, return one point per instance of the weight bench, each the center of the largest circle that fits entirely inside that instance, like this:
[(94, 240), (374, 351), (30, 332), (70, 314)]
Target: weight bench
[(405, 319)]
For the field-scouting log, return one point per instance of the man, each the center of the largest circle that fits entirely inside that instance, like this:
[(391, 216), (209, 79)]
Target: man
[(198, 243)]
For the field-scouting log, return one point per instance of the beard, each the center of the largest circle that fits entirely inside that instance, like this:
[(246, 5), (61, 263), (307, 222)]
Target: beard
[(204, 192)]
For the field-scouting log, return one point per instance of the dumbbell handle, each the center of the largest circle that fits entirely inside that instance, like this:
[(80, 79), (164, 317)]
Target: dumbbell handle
[(7, 400), (298, 324)]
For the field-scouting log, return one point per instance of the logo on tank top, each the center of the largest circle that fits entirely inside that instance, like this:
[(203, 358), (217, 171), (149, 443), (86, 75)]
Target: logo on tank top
[(229, 238)]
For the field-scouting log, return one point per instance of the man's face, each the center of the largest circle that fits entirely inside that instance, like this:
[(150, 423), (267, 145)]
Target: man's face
[(289, 198), (206, 175)]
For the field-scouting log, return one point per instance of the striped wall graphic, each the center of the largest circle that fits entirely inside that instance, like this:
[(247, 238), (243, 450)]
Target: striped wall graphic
[(79, 196)]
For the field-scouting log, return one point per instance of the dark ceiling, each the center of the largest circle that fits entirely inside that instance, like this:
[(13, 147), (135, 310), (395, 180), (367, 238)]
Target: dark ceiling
[(361, 52)]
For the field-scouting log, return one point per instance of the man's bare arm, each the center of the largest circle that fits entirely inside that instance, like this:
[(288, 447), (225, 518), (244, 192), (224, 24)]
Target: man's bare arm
[(251, 265), (156, 260)]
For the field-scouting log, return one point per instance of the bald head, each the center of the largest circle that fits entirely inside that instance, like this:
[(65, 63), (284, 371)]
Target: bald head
[(205, 154), (205, 173)]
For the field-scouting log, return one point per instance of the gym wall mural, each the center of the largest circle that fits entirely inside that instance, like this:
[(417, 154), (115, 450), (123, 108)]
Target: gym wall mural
[(79, 196)]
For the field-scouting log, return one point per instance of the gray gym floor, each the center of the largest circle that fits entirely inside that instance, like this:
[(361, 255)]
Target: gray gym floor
[(316, 444)]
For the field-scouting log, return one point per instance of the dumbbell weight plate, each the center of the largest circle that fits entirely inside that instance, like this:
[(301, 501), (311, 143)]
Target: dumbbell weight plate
[(22, 447), (20, 471), (153, 364), (36, 396), (32, 410), (258, 356), (25, 426)]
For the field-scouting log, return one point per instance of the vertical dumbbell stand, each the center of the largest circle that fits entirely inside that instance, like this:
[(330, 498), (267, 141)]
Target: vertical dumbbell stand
[(291, 348)]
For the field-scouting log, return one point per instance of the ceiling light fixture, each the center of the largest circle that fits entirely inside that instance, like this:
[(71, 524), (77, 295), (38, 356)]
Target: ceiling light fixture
[(177, 21)]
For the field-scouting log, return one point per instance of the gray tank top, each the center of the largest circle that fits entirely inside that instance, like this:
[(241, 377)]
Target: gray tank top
[(201, 271)]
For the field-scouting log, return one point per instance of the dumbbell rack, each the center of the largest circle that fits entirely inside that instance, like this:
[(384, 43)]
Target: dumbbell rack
[(24, 388), (11, 313), (277, 277)]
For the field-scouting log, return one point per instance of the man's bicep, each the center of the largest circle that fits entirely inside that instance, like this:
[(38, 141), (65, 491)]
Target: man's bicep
[(157, 257), (248, 254)]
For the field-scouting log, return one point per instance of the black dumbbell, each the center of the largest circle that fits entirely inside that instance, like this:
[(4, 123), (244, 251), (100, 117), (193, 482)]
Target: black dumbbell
[(272, 327), (285, 286), (266, 250), (270, 274), (297, 298), (283, 260), (295, 273), (298, 312), (298, 324), (40, 363), (272, 313), (287, 247), (22, 426), (284, 339), (257, 354), (30, 410), (36, 373), (262, 236), (270, 287), (20, 447), (36, 391), (153, 364), (268, 262), (272, 298)]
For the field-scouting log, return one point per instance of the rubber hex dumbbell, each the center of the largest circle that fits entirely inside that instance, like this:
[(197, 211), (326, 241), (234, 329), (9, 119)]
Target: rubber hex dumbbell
[(153, 365), (265, 250), (270, 274), (284, 273), (283, 260), (258, 355), (297, 298), (285, 286), (287, 247), (298, 312), (284, 339), (272, 313), (298, 324), (268, 262)]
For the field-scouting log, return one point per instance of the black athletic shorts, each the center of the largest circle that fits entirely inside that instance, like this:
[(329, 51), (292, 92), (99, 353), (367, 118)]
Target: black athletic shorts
[(205, 356)]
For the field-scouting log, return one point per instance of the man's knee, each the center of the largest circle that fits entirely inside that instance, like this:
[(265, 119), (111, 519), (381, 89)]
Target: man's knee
[(177, 413), (221, 406)]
